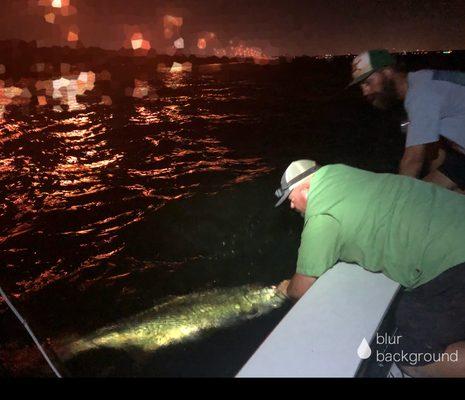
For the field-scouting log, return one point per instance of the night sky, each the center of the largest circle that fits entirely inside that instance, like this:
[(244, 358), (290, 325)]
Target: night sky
[(277, 27)]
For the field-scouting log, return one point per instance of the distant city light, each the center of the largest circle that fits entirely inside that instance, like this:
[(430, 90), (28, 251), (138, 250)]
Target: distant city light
[(201, 43), (60, 3), (146, 45), (50, 18), (179, 43), (137, 41), (42, 100), (220, 52), (243, 51), (136, 44), (73, 36)]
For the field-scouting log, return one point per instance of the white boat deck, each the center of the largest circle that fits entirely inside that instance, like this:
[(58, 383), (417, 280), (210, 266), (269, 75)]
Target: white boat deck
[(320, 335)]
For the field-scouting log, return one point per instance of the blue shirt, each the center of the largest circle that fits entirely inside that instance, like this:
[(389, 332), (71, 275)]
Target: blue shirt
[(435, 104)]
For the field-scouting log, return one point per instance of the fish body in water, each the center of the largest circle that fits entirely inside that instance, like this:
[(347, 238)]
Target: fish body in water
[(181, 318)]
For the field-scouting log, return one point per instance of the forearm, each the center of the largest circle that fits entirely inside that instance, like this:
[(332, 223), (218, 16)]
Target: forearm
[(410, 167), (298, 285)]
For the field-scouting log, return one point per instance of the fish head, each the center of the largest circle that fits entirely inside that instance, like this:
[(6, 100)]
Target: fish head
[(258, 301)]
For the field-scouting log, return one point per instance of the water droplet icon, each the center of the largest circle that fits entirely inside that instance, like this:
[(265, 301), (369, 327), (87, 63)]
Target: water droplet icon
[(364, 350)]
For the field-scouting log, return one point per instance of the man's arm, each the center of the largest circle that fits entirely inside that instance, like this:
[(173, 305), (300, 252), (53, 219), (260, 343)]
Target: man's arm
[(297, 286), (319, 251), (412, 160)]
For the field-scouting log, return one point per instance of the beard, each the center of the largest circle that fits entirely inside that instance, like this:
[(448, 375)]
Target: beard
[(387, 98)]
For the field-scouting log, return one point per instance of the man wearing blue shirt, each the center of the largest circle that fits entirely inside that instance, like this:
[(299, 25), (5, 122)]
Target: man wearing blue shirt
[(435, 104)]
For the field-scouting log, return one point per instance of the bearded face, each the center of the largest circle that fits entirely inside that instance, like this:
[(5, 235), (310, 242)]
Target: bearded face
[(380, 91)]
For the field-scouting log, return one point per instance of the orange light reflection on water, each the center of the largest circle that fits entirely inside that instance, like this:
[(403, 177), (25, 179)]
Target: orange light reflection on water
[(78, 178)]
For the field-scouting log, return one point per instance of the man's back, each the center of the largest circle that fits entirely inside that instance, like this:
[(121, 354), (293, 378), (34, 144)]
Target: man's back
[(408, 229), (435, 103)]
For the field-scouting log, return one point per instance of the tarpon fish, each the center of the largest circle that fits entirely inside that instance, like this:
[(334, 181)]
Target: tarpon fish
[(178, 319)]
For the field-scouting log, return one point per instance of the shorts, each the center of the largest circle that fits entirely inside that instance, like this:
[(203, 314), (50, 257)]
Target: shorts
[(454, 167), (431, 317)]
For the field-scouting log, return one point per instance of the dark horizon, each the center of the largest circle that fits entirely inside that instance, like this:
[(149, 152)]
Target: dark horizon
[(128, 52)]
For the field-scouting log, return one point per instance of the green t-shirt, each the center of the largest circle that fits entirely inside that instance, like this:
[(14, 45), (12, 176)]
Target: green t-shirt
[(407, 229)]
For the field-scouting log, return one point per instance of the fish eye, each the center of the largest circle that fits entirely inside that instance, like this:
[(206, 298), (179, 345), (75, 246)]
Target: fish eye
[(253, 312)]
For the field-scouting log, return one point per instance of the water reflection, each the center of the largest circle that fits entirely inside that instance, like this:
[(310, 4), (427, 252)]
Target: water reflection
[(176, 79), (76, 180)]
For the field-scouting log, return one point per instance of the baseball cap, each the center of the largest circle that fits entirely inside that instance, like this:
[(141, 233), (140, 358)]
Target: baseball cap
[(368, 62), (295, 173)]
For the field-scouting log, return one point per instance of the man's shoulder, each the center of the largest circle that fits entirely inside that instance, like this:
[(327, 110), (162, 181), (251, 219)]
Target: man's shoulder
[(339, 168), (434, 79), (334, 175), (420, 79), (421, 87), (422, 73)]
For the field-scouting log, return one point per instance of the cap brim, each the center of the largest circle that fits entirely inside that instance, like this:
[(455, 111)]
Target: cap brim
[(283, 198), (361, 78)]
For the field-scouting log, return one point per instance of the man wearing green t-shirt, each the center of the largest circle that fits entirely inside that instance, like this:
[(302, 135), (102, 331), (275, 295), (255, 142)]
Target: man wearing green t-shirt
[(409, 230)]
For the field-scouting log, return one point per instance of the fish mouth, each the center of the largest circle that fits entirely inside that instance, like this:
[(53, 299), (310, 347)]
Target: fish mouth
[(278, 293), (270, 296)]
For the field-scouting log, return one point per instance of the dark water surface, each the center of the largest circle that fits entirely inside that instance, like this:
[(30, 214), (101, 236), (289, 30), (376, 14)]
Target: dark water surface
[(109, 210)]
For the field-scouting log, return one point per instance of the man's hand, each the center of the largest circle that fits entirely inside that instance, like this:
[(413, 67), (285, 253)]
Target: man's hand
[(282, 287), (412, 160), (296, 287)]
